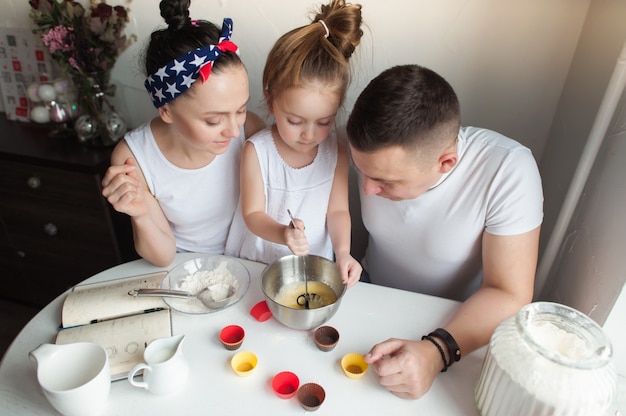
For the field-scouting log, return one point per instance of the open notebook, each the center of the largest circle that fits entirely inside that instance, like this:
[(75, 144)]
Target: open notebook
[(124, 325)]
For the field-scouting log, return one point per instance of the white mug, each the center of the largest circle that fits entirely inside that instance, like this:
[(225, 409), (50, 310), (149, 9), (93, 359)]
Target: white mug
[(75, 378), (165, 369)]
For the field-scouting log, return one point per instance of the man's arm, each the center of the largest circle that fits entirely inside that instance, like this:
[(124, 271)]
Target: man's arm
[(509, 266)]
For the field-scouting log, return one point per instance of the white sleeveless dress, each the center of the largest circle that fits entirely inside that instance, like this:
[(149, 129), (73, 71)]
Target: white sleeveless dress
[(305, 191)]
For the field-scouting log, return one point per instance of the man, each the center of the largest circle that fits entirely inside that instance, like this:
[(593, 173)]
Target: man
[(451, 211)]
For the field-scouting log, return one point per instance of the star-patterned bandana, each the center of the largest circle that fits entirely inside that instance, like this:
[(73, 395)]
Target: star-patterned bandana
[(178, 75)]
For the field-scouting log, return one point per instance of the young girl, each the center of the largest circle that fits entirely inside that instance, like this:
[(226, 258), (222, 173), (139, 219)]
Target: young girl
[(177, 176), (297, 164)]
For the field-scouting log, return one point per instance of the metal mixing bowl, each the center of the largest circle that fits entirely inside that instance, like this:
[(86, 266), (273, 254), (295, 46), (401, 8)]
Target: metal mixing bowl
[(289, 270)]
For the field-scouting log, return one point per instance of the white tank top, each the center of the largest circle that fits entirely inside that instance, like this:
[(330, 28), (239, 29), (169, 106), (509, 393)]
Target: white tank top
[(198, 203)]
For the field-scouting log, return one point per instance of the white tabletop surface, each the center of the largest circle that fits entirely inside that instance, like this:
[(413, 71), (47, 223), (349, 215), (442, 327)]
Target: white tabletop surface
[(367, 315)]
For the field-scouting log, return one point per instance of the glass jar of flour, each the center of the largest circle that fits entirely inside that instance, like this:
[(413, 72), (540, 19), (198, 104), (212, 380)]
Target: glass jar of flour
[(549, 359)]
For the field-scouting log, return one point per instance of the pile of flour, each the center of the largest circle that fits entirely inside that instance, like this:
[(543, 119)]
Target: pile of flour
[(217, 281)]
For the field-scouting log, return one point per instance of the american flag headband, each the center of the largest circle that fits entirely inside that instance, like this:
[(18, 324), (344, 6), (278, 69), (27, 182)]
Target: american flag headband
[(178, 75)]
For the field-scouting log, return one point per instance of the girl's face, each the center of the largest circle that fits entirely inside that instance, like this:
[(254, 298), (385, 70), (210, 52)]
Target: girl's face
[(209, 115), (305, 115)]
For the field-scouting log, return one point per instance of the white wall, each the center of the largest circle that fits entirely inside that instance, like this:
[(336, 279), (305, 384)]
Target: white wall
[(588, 272), (507, 59)]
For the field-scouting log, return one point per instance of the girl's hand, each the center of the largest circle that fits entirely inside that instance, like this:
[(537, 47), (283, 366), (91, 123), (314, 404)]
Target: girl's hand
[(122, 188), (349, 268), (295, 238)]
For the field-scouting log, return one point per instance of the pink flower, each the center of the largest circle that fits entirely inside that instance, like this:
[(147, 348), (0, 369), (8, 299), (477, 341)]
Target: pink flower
[(58, 39), (81, 40), (74, 64)]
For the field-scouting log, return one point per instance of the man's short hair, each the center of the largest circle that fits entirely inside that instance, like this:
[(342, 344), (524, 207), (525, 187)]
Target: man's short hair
[(401, 106)]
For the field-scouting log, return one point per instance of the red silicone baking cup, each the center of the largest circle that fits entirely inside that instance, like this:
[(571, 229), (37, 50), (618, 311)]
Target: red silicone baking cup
[(261, 312), (285, 384), (232, 336)]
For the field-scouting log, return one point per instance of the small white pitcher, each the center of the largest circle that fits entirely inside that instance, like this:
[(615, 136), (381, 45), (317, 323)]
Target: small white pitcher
[(75, 378), (165, 369)]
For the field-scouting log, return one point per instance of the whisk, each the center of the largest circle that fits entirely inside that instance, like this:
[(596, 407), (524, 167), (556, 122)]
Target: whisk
[(306, 298)]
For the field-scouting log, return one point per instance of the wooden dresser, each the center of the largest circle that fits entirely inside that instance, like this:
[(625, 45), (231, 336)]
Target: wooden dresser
[(55, 227)]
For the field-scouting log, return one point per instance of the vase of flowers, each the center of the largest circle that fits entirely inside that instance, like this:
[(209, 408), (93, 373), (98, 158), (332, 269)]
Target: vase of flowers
[(85, 43)]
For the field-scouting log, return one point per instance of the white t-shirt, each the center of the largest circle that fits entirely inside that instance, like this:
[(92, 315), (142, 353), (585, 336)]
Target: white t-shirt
[(305, 191), (432, 244), (198, 203)]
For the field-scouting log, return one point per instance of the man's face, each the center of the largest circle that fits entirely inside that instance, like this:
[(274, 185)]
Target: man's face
[(394, 173)]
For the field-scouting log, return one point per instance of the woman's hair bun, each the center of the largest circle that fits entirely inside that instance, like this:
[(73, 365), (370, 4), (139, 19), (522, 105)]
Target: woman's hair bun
[(175, 13)]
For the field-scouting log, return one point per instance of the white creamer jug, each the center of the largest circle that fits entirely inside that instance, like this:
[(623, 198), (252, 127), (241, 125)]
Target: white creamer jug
[(549, 359), (75, 378), (165, 369)]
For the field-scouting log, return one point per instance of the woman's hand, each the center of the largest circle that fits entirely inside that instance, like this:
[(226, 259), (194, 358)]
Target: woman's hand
[(122, 187)]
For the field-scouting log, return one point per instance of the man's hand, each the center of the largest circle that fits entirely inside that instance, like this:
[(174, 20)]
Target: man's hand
[(405, 368)]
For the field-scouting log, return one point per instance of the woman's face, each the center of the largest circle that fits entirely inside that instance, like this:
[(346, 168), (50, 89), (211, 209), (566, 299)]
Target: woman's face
[(209, 115)]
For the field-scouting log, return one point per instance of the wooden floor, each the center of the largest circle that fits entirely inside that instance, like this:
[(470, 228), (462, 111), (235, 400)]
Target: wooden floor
[(13, 317)]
